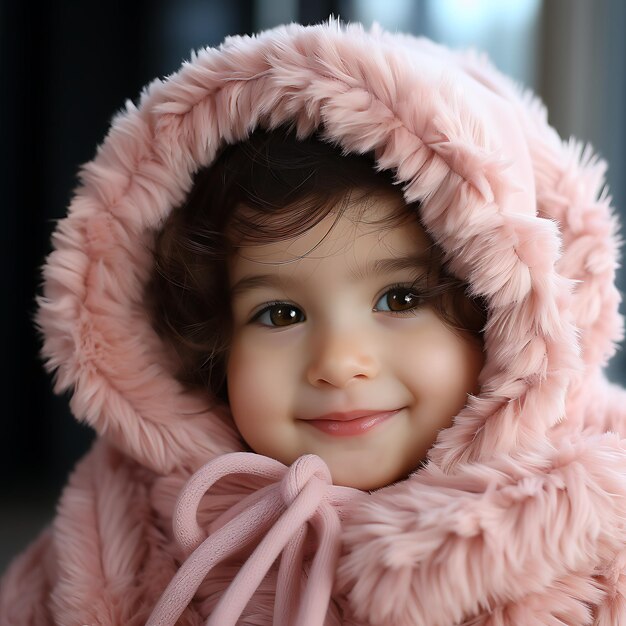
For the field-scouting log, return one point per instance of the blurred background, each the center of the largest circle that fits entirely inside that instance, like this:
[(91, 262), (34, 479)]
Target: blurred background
[(67, 67)]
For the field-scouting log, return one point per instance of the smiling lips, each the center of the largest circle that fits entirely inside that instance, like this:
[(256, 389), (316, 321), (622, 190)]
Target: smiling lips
[(350, 423)]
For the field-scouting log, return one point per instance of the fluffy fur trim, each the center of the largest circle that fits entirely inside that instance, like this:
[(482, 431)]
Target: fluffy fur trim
[(534, 538), (519, 218)]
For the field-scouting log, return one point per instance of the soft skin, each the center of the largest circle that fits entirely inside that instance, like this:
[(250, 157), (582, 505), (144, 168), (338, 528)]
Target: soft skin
[(317, 331)]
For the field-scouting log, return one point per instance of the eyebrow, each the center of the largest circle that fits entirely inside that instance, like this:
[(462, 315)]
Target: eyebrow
[(257, 281), (393, 264), (376, 268)]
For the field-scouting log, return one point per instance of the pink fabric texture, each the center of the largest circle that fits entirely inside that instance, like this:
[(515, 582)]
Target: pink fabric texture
[(306, 490), (519, 515)]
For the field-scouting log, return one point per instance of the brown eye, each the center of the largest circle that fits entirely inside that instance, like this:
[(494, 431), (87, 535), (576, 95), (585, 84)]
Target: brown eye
[(280, 314), (398, 299)]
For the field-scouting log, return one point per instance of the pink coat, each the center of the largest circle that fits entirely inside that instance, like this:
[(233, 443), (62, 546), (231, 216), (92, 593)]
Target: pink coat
[(519, 516)]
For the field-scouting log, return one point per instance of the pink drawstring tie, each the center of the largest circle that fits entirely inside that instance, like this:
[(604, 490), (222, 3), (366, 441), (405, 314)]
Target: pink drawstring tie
[(276, 517)]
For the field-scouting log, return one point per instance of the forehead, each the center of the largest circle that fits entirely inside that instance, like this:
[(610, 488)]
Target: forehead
[(371, 224)]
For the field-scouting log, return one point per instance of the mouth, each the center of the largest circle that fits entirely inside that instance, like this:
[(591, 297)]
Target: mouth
[(351, 423)]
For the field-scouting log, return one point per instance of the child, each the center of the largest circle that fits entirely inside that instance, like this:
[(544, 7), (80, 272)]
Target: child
[(273, 222), (338, 304)]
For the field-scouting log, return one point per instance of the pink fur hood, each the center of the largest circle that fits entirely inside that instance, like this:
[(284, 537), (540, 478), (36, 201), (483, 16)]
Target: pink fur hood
[(519, 516)]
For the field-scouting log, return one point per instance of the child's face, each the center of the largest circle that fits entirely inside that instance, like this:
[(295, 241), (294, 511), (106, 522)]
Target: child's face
[(333, 355)]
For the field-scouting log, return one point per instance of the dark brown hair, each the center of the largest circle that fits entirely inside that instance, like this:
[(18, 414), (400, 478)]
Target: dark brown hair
[(271, 187)]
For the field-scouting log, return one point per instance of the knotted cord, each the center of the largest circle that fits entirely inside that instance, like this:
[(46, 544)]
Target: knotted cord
[(276, 518)]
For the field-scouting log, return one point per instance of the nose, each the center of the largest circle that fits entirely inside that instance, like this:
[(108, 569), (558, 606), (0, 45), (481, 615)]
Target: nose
[(339, 358)]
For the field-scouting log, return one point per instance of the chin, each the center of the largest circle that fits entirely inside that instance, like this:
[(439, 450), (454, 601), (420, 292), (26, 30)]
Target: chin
[(364, 483)]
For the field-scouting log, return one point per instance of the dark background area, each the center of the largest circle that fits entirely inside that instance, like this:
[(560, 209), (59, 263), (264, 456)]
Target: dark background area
[(67, 67)]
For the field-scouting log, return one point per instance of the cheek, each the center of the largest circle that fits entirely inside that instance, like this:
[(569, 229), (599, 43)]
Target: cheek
[(260, 388), (442, 367), (249, 387)]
